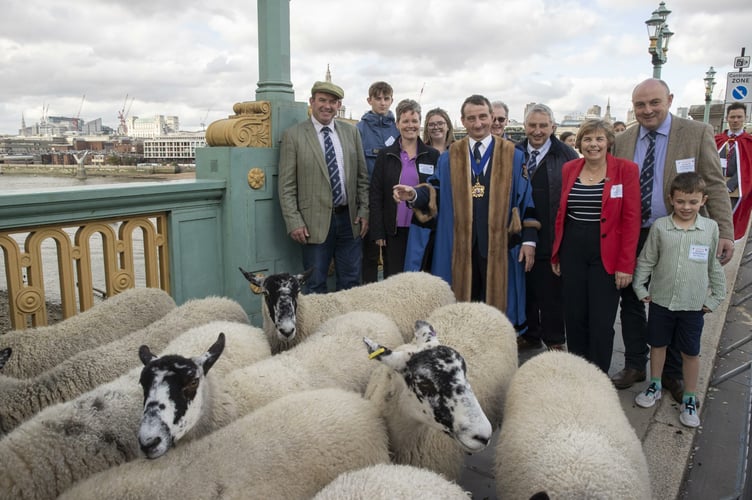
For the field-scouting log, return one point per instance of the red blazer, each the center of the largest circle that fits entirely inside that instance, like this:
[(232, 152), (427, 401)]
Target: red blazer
[(620, 215)]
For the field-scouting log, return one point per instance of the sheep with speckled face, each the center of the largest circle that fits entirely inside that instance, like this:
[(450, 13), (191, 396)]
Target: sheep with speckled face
[(390, 482), (565, 435), (290, 317), (487, 342), (39, 349), (22, 398), (71, 441), (289, 449)]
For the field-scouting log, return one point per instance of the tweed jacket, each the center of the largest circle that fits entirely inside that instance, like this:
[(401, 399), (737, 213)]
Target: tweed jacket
[(688, 139), (305, 192)]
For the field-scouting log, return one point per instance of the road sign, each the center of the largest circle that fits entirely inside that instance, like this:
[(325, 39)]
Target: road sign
[(741, 62), (739, 87)]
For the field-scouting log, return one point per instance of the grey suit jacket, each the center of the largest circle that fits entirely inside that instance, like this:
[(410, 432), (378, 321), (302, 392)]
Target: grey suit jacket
[(688, 139), (305, 192)]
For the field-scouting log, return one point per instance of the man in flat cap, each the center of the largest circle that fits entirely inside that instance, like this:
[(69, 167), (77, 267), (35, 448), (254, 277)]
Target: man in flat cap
[(323, 190)]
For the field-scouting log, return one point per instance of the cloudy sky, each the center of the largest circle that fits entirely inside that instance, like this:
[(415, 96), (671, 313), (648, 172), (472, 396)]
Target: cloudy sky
[(195, 59)]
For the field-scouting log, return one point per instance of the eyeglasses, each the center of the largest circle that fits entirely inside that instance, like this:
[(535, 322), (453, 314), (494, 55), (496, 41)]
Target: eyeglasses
[(437, 125), (500, 119)]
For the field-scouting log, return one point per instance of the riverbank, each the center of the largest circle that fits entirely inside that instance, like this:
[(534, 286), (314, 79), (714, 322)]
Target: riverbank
[(157, 172)]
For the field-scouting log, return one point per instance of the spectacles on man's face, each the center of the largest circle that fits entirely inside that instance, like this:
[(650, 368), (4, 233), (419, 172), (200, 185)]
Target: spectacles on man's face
[(436, 125), (500, 119)]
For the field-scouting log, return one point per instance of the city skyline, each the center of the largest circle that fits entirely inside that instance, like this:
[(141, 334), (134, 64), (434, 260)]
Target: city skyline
[(198, 61)]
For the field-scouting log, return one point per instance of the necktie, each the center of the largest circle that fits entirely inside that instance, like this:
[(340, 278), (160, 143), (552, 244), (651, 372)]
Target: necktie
[(646, 176), (476, 152), (338, 196), (532, 164), (731, 171)]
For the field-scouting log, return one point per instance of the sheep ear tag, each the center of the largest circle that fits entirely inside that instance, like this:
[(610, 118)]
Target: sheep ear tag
[(257, 290)]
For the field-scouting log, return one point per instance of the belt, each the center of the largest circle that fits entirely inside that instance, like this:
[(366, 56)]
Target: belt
[(339, 209)]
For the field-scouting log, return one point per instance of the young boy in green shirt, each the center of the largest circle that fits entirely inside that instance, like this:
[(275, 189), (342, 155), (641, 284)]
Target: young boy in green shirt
[(678, 260)]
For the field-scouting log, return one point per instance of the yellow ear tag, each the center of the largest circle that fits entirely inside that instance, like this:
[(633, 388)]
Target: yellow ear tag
[(375, 354), (255, 288)]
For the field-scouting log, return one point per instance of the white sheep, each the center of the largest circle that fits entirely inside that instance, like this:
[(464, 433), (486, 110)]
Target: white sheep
[(71, 441), (391, 482), (486, 340), (22, 398), (289, 449), (289, 317), (39, 349), (565, 435), (332, 357)]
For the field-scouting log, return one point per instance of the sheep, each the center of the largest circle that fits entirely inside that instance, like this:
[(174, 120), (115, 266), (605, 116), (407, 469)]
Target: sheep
[(329, 358), (486, 340), (290, 317), (4, 356), (289, 449), (565, 435), (389, 481), (21, 398), (39, 349), (71, 441)]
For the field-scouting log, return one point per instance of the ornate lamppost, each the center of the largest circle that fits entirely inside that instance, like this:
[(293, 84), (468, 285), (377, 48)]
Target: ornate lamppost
[(659, 36), (709, 84)]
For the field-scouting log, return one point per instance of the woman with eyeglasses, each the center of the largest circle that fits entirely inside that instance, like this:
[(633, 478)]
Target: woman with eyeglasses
[(438, 132), (500, 118)]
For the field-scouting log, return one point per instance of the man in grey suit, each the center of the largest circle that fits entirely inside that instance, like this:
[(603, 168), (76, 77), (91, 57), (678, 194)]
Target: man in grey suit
[(679, 146), (323, 190)]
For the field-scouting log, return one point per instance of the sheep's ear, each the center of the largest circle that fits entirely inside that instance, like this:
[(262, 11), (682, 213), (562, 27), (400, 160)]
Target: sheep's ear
[(256, 280), (394, 360), (5, 356), (210, 357), (145, 355), (425, 334), (306, 274)]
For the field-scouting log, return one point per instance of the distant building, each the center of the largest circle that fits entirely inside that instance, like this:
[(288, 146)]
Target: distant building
[(180, 148), (153, 126)]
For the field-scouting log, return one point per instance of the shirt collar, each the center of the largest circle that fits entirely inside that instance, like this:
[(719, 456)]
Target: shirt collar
[(318, 125), (663, 129), (699, 224), (542, 150), (486, 141)]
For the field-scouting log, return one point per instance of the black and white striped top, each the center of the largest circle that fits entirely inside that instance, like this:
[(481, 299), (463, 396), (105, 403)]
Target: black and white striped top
[(584, 202)]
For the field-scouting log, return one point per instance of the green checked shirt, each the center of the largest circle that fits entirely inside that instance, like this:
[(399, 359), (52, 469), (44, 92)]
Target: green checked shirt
[(681, 265)]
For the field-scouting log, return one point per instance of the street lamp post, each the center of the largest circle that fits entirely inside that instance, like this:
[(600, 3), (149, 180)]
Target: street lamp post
[(709, 84), (659, 36)]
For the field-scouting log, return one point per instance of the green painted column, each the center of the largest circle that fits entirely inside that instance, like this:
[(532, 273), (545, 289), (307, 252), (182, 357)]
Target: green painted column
[(245, 154)]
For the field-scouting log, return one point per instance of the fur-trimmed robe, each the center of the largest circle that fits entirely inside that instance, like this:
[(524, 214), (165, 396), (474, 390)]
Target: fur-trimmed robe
[(510, 203)]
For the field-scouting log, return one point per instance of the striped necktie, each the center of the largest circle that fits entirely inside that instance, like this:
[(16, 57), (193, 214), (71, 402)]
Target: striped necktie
[(532, 164), (646, 176), (731, 167), (338, 196)]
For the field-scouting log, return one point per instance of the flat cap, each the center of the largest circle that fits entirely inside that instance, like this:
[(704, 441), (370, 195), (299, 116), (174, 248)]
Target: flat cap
[(328, 88)]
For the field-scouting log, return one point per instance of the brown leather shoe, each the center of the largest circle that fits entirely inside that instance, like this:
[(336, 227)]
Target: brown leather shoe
[(675, 386), (524, 343), (627, 378), (557, 347)]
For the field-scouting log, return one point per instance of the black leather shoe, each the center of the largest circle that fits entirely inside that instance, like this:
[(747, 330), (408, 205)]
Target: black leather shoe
[(627, 378), (675, 386), (524, 343)]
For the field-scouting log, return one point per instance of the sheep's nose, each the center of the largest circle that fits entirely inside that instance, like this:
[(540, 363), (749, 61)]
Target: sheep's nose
[(150, 444), (287, 332), (482, 439)]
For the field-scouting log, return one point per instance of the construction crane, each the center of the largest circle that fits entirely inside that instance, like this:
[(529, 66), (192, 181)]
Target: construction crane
[(203, 122), (123, 115), (77, 119)]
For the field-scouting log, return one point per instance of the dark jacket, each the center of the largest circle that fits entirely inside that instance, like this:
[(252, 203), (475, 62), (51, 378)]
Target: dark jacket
[(547, 201), (375, 130), (386, 173)]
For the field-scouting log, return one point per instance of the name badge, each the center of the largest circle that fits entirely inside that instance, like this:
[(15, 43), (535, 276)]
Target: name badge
[(724, 166), (617, 191), (389, 141), (685, 165), (425, 168), (699, 253)]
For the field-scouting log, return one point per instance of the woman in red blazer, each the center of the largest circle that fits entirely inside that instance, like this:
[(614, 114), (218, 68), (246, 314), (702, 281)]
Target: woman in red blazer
[(595, 243)]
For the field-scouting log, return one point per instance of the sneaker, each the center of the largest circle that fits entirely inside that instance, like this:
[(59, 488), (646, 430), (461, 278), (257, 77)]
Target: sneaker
[(649, 397), (688, 415)]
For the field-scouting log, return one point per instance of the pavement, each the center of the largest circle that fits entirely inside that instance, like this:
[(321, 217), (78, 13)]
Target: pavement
[(670, 448)]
